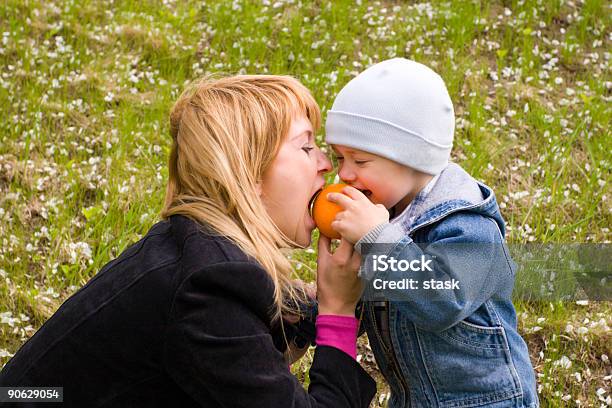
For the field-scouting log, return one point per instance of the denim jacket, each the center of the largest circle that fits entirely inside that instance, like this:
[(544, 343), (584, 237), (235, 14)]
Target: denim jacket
[(454, 348)]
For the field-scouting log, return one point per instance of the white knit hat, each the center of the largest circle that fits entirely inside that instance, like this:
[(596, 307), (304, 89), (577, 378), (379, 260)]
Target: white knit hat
[(398, 109)]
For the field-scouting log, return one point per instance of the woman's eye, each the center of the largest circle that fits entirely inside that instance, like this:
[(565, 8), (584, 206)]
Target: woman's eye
[(339, 158), (360, 162), (307, 149)]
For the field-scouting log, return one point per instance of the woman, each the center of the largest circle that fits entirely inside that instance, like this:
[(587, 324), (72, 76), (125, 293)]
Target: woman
[(191, 315)]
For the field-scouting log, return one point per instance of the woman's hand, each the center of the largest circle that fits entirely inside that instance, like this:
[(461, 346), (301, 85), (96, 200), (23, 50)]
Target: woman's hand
[(293, 352), (338, 286), (359, 214)]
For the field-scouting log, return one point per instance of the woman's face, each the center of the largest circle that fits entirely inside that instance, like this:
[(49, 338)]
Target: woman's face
[(293, 178)]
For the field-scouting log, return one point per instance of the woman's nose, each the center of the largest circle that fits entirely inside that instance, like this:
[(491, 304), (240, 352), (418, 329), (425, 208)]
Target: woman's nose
[(324, 164)]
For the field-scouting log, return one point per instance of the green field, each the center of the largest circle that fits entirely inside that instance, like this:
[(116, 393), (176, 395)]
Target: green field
[(86, 87)]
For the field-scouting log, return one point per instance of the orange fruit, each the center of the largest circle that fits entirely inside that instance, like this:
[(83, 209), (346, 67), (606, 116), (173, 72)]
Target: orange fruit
[(324, 211)]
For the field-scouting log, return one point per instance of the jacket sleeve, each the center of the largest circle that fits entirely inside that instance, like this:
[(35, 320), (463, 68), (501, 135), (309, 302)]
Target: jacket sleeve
[(465, 248), (219, 348)]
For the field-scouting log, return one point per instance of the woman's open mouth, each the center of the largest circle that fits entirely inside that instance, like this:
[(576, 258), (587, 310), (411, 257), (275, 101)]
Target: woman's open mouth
[(312, 200)]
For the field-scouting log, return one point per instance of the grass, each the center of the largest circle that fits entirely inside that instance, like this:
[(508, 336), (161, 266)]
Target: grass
[(86, 87)]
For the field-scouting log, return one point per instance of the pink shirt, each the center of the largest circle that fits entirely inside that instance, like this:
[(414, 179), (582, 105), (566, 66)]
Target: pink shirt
[(339, 332)]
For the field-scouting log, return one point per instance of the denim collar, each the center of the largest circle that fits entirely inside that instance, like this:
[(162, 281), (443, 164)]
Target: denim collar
[(411, 211), (455, 190)]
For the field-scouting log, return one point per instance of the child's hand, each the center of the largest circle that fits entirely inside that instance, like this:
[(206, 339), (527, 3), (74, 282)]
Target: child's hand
[(360, 215)]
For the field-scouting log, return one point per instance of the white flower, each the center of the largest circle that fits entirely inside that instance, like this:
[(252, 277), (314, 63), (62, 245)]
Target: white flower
[(563, 362), (124, 188), (582, 330), (79, 250), (535, 329), (7, 318)]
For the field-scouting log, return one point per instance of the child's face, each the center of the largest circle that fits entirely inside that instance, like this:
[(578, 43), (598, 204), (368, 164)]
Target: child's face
[(382, 180)]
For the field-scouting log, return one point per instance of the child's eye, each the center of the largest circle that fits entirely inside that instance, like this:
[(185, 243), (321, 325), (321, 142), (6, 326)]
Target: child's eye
[(339, 158), (360, 162), (307, 149)]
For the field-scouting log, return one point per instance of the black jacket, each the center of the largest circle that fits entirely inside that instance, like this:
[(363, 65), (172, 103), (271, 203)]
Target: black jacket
[(179, 319)]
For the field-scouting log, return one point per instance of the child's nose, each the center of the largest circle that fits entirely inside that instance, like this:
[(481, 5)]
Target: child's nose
[(346, 174)]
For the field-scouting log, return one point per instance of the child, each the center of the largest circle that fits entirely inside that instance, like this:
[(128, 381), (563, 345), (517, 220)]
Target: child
[(456, 346)]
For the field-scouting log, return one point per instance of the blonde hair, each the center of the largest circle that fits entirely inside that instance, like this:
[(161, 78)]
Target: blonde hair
[(226, 132)]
